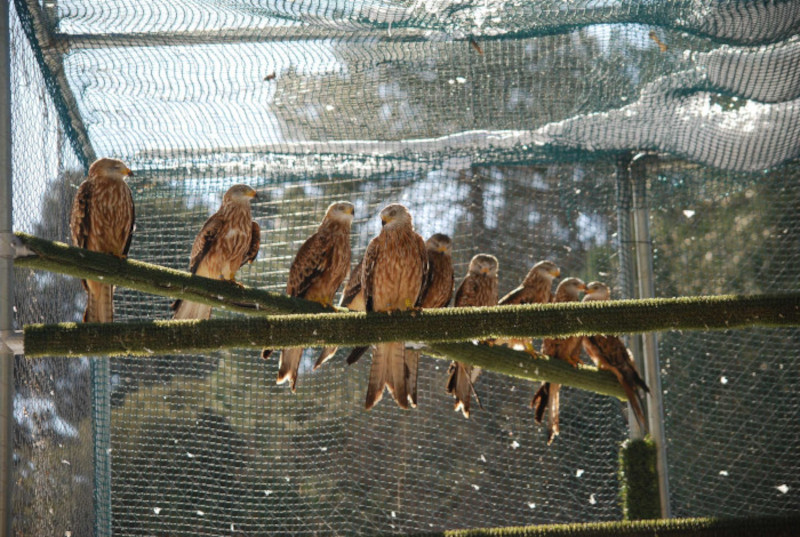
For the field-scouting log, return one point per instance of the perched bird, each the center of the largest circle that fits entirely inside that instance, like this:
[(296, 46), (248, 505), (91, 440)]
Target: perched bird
[(536, 288), (392, 278), (609, 353), (567, 349), (478, 289), (228, 240), (352, 299), (437, 290), (318, 269), (102, 220)]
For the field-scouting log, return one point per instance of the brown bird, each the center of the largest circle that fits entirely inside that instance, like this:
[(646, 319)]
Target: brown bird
[(392, 277), (102, 220), (228, 240), (567, 349), (318, 269), (352, 299), (436, 292), (478, 289), (536, 288), (609, 353)]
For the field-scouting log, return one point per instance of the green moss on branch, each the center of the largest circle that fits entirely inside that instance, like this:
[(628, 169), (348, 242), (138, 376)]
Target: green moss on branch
[(80, 263), (685, 527)]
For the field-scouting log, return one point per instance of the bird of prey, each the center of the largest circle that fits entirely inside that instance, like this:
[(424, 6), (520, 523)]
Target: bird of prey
[(478, 289), (609, 353), (392, 278), (437, 290), (536, 288), (567, 349), (318, 269), (352, 299), (228, 240), (102, 220)]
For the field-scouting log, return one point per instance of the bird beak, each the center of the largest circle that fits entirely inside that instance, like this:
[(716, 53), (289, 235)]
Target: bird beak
[(128, 172), (442, 249), (383, 221), (556, 273), (351, 210), (485, 270), (253, 195)]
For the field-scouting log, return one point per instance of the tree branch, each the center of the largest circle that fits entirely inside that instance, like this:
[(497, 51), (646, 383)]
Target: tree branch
[(308, 327), (64, 259)]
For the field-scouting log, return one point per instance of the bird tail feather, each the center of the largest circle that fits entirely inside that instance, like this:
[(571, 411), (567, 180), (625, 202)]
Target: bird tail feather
[(325, 355), (388, 370), (540, 401), (289, 364), (552, 423), (99, 302), (459, 385)]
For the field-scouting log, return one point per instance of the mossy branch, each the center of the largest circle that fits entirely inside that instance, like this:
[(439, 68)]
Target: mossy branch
[(309, 327), (683, 527), (64, 259)]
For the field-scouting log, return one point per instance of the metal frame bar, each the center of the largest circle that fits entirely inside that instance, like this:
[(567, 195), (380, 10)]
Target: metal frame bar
[(646, 289), (51, 63), (6, 281)]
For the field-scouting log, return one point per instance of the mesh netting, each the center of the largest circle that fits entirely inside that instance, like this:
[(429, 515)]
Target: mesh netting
[(497, 123)]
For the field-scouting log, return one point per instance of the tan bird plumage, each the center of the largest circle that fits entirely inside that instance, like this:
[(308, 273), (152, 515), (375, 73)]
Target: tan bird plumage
[(393, 273), (610, 353), (352, 299), (102, 220), (228, 239), (437, 290), (478, 289), (547, 397), (318, 269), (536, 288)]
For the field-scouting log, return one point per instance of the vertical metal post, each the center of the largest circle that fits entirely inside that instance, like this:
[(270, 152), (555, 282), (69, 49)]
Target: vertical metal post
[(6, 281), (652, 368), (627, 260), (101, 414)]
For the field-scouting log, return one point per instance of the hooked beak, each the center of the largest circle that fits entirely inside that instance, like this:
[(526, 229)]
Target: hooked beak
[(485, 270), (383, 221), (128, 172)]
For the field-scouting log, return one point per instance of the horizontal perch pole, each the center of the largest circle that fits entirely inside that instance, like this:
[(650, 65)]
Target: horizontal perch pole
[(155, 279), (433, 326)]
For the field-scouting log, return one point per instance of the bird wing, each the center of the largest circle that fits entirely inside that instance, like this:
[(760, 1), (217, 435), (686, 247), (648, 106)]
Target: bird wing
[(79, 223), (514, 297), (255, 243), (313, 258), (208, 236)]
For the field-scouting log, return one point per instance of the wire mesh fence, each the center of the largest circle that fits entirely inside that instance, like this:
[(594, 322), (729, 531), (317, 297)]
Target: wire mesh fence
[(502, 132)]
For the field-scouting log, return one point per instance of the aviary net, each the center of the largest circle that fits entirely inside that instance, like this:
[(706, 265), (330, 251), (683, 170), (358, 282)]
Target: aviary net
[(506, 125)]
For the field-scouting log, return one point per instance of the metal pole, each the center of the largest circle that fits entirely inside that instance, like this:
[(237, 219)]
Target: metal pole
[(652, 369), (6, 281), (627, 261)]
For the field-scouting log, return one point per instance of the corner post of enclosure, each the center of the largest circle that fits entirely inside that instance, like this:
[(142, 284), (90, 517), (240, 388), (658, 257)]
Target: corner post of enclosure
[(6, 281), (627, 259), (646, 289)]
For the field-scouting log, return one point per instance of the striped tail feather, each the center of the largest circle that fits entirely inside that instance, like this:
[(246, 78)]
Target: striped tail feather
[(99, 302)]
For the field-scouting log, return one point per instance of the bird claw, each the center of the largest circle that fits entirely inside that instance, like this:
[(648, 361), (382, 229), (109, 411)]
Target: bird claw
[(533, 352)]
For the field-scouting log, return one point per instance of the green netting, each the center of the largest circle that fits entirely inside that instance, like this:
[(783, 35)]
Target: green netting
[(500, 123)]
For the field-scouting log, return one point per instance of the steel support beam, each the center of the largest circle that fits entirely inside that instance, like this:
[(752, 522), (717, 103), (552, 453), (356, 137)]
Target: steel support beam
[(646, 289)]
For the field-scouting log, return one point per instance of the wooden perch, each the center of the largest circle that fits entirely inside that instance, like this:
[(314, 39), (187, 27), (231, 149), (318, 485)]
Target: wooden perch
[(307, 325), (155, 279)]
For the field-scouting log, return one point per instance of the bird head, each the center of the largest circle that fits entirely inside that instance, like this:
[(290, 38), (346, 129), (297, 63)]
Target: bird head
[(341, 211), (109, 168), (483, 264), (395, 215), (544, 269), (439, 242), (239, 194), (597, 291), (569, 288)]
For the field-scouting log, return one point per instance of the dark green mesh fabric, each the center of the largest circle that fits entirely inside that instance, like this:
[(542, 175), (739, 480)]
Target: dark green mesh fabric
[(498, 123)]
